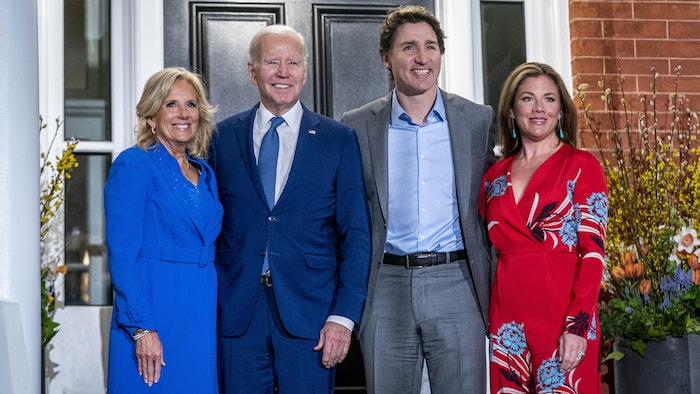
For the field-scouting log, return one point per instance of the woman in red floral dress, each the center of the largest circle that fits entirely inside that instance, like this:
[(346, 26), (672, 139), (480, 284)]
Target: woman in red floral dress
[(545, 205)]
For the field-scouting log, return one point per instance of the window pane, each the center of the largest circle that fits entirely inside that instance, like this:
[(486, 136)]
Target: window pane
[(87, 281), (87, 69), (503, 44)]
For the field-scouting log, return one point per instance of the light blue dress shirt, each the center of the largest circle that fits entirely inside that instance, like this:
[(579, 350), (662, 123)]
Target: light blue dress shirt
[(423, 213)]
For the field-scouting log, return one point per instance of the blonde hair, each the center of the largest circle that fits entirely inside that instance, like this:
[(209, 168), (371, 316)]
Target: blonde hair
[(154, 94)]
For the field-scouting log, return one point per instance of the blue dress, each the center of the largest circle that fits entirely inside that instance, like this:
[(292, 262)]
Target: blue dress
[(160, 235)]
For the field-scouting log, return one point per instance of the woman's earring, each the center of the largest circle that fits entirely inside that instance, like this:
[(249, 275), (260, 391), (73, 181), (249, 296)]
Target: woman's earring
[(561, 132), (512, 126), (153, 130), (514, 136)]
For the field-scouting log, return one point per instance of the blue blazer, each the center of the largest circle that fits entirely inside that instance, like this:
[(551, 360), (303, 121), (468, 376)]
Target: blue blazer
[(317, 234)]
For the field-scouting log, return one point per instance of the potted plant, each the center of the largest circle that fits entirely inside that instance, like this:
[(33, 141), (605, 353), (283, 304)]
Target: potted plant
[(651, 286)]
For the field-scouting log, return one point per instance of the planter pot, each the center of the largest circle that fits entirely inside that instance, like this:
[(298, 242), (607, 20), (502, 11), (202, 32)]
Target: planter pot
[(670, 366)]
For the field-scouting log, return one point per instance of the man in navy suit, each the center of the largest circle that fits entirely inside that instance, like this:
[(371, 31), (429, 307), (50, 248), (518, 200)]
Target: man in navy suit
[(293, 255)]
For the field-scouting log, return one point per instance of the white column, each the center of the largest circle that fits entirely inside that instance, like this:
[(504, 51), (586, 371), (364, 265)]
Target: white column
[(19, 182)]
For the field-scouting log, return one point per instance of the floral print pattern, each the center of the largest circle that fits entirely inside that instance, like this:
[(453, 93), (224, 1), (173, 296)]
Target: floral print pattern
[(550, 245)]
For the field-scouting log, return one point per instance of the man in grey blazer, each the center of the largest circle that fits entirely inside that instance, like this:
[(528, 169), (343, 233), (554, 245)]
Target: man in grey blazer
[(424, 152)]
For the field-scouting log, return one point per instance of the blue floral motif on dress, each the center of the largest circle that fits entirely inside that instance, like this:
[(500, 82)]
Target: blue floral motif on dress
[(511, 338), (591, 330), (598, 206), (496, 188), (569, 229), (549, 376), (570, 186)]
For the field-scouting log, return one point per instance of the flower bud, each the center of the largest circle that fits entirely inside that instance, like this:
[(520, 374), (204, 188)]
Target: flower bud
[(645, 286), (618, 272), (638, 269), (627, 258), (693, 261)]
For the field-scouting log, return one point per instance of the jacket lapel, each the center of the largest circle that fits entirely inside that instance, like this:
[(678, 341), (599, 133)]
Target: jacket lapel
[(243, 132), (379, 151), (170, 170), (458, 123)]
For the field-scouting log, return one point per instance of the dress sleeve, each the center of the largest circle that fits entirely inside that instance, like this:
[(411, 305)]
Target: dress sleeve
[(590, 200), (125, 199)]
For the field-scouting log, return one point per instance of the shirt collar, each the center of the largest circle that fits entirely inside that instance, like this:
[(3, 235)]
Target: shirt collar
[(399, 116), (291, 117)]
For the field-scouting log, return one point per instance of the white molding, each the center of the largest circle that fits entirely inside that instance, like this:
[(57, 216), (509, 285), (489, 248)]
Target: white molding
[(51, 80), (461, 65), (546, 40), (137, 53), (547, 36)]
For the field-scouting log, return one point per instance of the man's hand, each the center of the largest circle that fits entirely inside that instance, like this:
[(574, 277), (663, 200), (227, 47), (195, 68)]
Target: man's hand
[(335, 342), (149, 354)]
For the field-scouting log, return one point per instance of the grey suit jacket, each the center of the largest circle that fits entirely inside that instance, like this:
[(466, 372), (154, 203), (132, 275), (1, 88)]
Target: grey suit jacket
[(472, 139)]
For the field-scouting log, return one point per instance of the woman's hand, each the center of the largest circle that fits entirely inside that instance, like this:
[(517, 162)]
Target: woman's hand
[(149, 354), (572, 350)]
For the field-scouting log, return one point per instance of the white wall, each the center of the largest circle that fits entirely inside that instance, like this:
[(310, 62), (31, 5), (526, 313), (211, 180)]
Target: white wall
[(19, 200)]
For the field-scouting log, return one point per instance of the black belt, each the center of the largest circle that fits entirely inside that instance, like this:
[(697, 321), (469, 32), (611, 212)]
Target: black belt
[(424, 259), (266, 279)]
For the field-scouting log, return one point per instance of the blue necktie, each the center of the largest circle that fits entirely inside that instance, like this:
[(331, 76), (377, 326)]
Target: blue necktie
[(267, 160), (267, 166)]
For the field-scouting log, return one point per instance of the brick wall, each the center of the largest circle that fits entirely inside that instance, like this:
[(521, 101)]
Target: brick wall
[(632, 36)]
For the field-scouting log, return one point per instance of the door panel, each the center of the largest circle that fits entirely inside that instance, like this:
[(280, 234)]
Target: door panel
[(342, 37), (349, 70), (345, 70)]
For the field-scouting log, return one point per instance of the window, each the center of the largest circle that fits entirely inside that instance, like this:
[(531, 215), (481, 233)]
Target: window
[(87, 95), (502, 44)]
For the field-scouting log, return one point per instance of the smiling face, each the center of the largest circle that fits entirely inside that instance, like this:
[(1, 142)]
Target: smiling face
[(177, 119), (414, 59), (536, 108), (280, 72)]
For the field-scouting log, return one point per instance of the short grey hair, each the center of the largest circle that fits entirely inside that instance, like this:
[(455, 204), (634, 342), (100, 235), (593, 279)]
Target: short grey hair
[(254, 52)]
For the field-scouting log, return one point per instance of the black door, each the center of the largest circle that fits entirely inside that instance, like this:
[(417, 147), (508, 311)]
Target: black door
[(342, 37)]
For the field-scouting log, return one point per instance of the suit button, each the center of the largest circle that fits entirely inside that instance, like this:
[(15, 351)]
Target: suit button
[(261, 253)]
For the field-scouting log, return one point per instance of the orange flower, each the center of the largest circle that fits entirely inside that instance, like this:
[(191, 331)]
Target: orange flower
[(693, 261), (696, 277), (638, 269), (645, 286), (627, 258), (618, 272), (634, 270)]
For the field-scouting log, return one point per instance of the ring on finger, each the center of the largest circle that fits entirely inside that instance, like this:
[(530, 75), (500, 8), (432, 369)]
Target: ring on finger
[(580, 355)]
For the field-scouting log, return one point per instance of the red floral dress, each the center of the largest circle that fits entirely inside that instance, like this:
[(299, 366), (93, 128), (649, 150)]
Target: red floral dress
[(550, 261)]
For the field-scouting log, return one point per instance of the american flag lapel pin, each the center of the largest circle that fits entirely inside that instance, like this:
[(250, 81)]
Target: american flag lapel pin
[(312, 132)]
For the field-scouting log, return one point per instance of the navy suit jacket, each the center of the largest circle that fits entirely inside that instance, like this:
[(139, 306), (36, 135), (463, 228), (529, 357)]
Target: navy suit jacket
[(317, 234)]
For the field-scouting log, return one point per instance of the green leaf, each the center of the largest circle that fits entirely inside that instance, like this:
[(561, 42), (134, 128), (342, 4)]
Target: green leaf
[(639, 346), (617, 356)]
